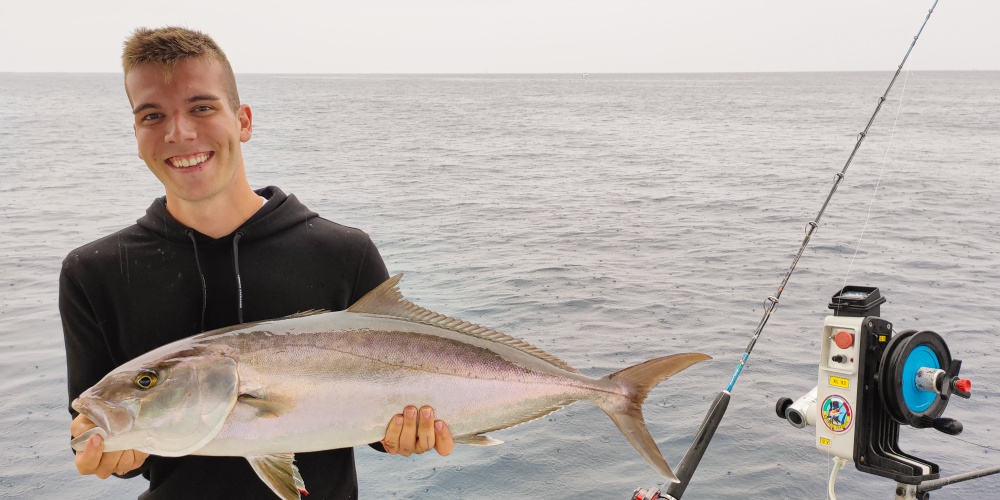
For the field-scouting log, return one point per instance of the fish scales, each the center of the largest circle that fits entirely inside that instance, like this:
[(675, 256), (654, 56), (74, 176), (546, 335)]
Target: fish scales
[(369, 374)]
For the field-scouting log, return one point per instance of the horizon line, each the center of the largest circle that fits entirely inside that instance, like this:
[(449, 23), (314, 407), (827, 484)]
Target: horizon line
[(581, 73)]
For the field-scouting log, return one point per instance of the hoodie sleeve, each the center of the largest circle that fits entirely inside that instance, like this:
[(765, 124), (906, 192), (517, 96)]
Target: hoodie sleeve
[(87, 355), (371, 272), (88, 358)]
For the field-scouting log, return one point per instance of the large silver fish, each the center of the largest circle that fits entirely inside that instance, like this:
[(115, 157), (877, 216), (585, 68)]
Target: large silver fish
[(324, 380)]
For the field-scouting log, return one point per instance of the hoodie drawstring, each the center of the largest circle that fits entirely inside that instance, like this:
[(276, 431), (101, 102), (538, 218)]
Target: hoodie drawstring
[(204, 287), (239, 284)]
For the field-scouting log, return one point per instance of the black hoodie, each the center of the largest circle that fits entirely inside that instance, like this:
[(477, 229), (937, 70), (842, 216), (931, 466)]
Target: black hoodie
[(158, 281)]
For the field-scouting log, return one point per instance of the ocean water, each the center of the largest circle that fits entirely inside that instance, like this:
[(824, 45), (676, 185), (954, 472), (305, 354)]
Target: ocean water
[(607, 219)]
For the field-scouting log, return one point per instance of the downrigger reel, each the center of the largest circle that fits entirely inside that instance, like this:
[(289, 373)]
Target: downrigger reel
[(871, 381)]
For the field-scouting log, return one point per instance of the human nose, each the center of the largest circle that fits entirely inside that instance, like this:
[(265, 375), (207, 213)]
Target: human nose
[(180, 129)]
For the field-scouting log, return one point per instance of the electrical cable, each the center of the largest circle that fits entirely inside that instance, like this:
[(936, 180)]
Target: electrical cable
[(838, 463)]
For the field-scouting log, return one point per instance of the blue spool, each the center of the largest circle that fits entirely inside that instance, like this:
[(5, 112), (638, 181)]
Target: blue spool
[(917, 400)]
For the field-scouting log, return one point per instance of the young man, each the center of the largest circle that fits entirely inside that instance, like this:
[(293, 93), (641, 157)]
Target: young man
[(211, 253)]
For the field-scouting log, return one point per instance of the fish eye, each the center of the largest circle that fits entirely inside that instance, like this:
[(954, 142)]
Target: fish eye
[(146, 379)]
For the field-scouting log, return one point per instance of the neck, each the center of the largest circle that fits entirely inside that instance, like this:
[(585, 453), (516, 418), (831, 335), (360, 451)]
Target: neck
[(216, 216)]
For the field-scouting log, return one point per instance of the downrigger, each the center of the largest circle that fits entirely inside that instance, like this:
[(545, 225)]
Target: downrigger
[(871, 381)]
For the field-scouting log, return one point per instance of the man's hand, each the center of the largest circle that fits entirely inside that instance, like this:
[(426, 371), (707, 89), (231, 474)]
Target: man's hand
[(407, 434), (93, 460)]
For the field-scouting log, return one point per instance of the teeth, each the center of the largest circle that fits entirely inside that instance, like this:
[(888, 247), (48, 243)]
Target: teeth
[(189, 161)]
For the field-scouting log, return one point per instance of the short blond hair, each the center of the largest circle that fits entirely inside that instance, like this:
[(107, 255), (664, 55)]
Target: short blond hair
[(166, 46)]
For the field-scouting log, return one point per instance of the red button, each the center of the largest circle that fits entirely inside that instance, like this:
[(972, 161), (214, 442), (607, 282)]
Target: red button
[(844, 339), (964, 385)]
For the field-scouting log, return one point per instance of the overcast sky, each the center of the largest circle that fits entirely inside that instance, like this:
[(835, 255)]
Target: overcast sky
[(515, 36)]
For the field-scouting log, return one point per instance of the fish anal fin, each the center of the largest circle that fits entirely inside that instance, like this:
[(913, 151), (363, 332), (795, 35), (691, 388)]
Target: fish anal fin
[(481, 439), (386, 300), (477, 440), (265, 408), (278, 471)]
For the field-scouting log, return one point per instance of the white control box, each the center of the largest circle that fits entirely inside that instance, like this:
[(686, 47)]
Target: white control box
[(837, 386)]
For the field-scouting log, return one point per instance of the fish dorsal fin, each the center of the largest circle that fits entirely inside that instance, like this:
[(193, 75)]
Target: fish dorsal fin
[(243, 326), (386, 300), (303, 314), (278, 471)]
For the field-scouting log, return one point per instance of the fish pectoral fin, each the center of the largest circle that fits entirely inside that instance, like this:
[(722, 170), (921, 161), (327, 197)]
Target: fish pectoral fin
[(265, 408), (478, 440), (278, 471)]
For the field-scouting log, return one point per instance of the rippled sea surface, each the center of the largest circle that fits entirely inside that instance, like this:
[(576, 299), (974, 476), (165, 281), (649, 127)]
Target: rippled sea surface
[(607, 219)]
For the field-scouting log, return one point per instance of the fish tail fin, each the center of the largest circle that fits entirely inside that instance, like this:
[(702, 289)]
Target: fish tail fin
[(626, 412)]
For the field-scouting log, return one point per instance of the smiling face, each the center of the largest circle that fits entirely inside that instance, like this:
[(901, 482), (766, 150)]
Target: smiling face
[(187, 133)]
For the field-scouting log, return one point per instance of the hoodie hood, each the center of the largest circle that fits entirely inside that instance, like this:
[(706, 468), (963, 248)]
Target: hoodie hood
[(279, 213)]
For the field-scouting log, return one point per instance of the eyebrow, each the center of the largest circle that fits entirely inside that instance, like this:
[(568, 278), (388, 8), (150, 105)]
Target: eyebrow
[(200, 97)]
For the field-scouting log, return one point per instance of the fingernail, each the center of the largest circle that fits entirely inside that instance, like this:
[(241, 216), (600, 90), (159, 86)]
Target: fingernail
[(410, 412), (439, 425), (426, 413), (95, 440), (399, 419)]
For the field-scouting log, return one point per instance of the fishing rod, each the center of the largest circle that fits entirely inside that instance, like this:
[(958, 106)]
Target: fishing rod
[(687, 466)]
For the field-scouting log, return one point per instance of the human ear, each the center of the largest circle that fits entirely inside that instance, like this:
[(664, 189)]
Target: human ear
[(245, 117)]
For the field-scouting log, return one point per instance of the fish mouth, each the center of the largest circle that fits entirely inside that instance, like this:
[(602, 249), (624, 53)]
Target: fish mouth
[(87, 408), (112, 419)]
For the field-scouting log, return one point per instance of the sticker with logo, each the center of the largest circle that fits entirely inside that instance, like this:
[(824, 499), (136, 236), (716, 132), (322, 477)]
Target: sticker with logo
[(837, 413)]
